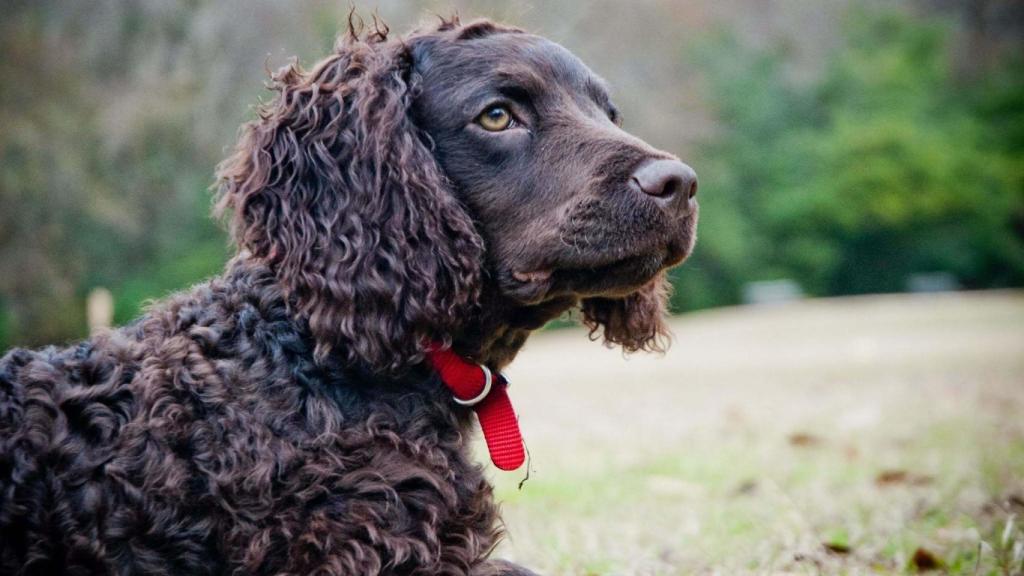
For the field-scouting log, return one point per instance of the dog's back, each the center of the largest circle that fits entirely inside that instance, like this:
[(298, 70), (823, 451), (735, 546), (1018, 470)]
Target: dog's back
[(203, 439), (62, 414), (85, 438)]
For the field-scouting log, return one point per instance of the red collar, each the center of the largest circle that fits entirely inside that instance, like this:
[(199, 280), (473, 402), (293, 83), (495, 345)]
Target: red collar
[(474, 386)]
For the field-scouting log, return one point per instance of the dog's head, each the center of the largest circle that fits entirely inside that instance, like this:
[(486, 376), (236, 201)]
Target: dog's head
[(396, 181)]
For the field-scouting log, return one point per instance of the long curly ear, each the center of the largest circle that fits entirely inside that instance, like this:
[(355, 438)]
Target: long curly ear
[(334, 188), (635, 322)]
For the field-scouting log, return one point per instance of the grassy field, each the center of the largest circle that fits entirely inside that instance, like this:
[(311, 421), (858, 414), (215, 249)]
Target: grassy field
[(823, 437)]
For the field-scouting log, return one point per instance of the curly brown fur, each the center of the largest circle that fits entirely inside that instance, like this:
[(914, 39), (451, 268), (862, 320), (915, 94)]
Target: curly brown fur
[(335, 189), (636, 322), (279, 419), (206, 439)]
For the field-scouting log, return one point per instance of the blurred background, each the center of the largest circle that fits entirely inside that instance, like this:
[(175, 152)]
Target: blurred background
[(845, 147)]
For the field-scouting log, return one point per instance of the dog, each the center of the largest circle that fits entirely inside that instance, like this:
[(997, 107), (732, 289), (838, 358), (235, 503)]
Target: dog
[(406, 213)]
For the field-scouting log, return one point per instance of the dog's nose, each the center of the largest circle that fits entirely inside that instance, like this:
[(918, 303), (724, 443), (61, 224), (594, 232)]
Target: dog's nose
[(669, 181)]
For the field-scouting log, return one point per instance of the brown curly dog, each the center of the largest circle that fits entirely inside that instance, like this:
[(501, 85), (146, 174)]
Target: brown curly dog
[(456, 188)]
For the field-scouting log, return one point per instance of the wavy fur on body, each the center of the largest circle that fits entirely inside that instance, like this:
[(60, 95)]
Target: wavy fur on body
[(279, 419), (206, 439)]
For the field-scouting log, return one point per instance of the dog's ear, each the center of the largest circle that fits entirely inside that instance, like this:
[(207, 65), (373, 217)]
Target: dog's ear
[(635, 322), (335, 189)]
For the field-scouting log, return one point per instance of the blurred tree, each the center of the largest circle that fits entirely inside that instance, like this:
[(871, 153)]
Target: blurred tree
[(882, 168), (114, 116), (845, 168), (997, 100), (46, 149)]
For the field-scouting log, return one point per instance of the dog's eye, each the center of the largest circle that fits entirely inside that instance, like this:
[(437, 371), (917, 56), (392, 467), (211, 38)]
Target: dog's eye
[(496, 119)]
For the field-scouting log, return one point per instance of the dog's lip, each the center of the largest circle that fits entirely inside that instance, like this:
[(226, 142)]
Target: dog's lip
[(561, 280), (526, 290), (533, 276), (615, 278), (601, 273), (602, 276)]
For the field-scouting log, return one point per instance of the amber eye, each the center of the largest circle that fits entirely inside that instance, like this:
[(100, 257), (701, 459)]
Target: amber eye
[(496, 119)]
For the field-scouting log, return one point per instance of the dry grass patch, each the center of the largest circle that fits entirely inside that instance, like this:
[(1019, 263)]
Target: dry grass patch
[(854, 436)]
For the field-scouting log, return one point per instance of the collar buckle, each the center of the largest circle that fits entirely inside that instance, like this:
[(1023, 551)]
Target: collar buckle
[(488, 381)]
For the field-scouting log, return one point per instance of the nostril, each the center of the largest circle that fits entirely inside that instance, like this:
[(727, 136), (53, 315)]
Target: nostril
[(691, 193), (672, 186)]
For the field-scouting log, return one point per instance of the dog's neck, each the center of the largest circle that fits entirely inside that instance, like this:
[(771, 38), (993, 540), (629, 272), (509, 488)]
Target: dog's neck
[(495, 336), (491, 337)]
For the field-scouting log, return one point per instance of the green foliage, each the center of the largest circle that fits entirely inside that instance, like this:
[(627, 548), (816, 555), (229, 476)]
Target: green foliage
[(892, 159), (40, 260), (114, 197), (168, 275), (885, 166), (4, 326)]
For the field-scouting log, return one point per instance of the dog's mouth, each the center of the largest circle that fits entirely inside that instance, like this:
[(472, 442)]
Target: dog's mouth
[(617, 278), (601, 264)]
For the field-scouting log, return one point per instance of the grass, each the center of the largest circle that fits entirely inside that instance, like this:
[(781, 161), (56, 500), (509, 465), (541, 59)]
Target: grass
[(828, 436)]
